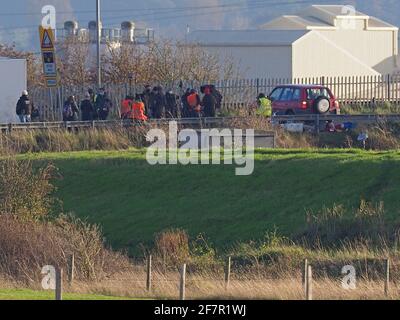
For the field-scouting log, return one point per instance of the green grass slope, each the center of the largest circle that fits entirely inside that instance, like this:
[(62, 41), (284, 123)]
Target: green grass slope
[(133, 200), (26, 294)]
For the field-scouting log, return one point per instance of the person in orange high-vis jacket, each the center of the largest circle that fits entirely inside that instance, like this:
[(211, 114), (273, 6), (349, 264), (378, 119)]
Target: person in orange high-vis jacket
[(194, 103), (139, 110), (126, 108)]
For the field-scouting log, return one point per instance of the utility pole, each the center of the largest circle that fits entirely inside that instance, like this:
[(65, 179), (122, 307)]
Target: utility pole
[(98, 21)]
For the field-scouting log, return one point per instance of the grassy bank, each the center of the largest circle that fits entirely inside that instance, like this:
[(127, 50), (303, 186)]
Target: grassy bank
[(26, 294), (133, 200)]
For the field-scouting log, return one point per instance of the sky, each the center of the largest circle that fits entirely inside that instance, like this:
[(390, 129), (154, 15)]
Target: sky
[(19, 18)]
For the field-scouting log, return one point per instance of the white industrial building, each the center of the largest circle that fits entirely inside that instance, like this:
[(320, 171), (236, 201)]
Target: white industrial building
[(13, 79), (127, 34), (321, 40)]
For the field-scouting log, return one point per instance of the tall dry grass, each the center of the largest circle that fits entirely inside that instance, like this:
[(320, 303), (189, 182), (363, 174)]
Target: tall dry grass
[(64, 141), (213, 287)]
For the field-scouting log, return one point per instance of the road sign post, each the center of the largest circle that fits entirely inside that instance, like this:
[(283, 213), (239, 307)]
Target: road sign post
[(47, 41)]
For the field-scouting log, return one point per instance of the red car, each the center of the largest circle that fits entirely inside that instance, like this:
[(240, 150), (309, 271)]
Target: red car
[(303, 99)]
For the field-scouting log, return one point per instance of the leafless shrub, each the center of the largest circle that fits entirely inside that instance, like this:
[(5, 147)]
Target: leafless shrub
[(383, 136), (27, 246), (172, 246), (25, 193)]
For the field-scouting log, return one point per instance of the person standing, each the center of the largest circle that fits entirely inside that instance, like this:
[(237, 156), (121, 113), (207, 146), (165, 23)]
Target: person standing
[(194, 103), (218, 97), (24, 107), (87, 108), (209, 103), (139, 110), (185, 104), (264, 106), (92, 96), (172, 104), (70, 111), (146, 98), (160, 104), (103, 105), (126, 108)]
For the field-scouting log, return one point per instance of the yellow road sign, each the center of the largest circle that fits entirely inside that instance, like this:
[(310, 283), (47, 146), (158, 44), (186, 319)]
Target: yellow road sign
[(46, 39)]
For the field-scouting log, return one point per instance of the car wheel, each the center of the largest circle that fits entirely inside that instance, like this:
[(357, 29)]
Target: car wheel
[(289, 113), (322, 105)]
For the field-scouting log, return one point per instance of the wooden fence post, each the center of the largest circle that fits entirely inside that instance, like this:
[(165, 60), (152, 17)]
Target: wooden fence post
[(59, 277), (387, 277), (304, 274), (149, 278), (228, 273), (182, 291), (71, 273), (309, 288)]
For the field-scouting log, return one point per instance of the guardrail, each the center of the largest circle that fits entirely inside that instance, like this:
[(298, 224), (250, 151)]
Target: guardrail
[(201, 122), (192, 122)]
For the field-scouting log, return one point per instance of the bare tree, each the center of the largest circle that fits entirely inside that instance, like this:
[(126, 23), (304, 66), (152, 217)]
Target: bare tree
[(165, 62), (74, 62), (125, 61), (161, 62)]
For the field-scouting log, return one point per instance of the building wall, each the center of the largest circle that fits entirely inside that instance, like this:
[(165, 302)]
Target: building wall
[(13, 79), (375, 48), (316, 55), (257, 61)]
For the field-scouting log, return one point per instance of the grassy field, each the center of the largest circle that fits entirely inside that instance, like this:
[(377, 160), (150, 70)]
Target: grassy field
[(133, 200), (26, 294)]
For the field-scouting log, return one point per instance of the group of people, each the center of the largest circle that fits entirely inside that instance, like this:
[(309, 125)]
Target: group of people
[(156, 104), (93, 107)]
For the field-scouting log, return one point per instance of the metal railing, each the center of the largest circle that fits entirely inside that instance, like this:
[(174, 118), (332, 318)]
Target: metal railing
[(237, 93), (190, 122)]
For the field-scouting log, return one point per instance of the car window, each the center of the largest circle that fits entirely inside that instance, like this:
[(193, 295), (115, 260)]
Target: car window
[(296, 95), (287, 94), (314, 93), (275, 95)]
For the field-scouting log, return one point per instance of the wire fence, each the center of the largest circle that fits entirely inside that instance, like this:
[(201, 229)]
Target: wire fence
[(230, 281)]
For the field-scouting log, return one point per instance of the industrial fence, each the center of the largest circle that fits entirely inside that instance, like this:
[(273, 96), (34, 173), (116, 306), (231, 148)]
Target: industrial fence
[(237, 93)]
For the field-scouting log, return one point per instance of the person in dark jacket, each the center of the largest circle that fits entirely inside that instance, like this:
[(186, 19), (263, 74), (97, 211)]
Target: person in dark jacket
[(146, 97), (152, 102), (35, 116), (218, 97), (24, 107), (103, 105), (172, 104), (92, 96), (159, 104), (87, 108), (216, 93), (209, 103), (70, 111)]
